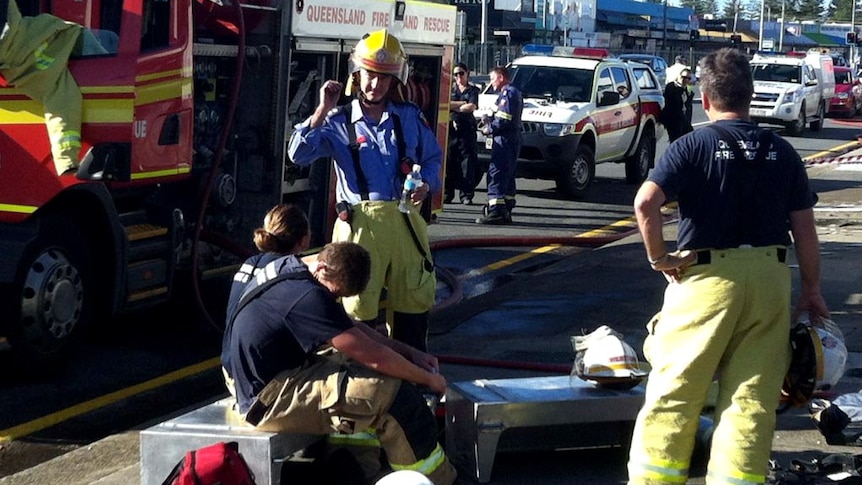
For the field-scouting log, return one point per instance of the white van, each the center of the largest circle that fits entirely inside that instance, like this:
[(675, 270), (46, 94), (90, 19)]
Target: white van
[(792, 90)]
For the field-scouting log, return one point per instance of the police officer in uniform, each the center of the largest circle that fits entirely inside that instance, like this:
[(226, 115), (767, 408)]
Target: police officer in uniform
[(505, 128), (462, 167), (741, 191), (374, 141)]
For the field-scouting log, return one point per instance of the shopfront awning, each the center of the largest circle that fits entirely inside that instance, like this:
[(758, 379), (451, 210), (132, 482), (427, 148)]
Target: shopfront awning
[(824, 40), (713, 36)]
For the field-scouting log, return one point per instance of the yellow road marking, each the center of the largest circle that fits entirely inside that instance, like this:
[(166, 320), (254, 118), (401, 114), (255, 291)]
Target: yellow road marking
[(831, 151), (49, 420)]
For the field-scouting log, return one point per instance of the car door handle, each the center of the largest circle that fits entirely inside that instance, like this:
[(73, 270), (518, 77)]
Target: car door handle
[(618, 113)]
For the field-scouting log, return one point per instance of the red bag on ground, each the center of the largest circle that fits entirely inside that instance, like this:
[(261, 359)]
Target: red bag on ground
[(217, 464)]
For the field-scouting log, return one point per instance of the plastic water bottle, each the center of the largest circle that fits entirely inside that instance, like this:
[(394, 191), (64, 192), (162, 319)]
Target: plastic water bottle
[(412, 182)]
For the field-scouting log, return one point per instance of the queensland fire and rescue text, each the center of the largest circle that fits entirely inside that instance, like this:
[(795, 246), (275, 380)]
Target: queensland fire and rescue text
[(353, 16)]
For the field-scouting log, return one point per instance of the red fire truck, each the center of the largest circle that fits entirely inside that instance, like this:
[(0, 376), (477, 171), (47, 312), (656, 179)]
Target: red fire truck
[(187, 107)]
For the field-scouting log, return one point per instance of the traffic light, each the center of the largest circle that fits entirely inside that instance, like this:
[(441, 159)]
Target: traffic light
[(850, 38), (735, 39), (694, 35)]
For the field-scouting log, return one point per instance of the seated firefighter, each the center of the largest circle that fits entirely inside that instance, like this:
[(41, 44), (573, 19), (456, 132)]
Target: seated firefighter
[(297, 363), (34, 53)]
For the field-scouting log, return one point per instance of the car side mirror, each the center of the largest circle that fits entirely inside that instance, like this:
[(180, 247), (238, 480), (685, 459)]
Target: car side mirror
[(609, 98)]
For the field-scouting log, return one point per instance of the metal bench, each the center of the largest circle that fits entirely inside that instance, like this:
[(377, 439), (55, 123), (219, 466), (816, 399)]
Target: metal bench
[(487, 416), (165, 444)]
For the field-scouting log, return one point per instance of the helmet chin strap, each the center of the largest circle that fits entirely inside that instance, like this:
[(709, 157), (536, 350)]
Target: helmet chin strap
[(363, 99)]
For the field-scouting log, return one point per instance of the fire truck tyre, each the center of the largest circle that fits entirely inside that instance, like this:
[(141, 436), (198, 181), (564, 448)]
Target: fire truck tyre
[(50, 303), (821, 114), (638, 165), (577, 175), (797, 126)]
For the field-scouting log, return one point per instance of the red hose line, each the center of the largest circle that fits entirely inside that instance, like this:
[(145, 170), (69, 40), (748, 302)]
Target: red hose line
[(226, 243), (228, 124)]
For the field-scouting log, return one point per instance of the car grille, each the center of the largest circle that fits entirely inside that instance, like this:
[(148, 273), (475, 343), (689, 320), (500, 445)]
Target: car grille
[(765, 97), (530, 127)]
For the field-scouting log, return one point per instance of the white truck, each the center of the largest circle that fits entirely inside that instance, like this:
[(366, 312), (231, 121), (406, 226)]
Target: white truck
[(792, 90), (582, 107)]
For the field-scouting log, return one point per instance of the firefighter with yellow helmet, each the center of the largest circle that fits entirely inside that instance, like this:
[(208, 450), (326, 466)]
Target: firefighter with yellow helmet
[(374, 141), (33, 57)]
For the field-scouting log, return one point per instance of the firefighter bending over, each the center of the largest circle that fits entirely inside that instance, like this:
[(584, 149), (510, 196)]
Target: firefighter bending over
[(299, 364), (374, 141), (726, 310), (34, 53)]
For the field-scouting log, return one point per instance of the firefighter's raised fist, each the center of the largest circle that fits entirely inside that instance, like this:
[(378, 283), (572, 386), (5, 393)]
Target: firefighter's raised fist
[(330, 92)]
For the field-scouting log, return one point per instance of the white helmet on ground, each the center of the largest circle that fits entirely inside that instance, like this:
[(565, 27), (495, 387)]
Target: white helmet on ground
[(608, 360), (404, 477)]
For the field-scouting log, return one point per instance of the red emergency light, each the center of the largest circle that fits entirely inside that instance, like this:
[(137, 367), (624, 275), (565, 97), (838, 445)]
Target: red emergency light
[(585, 52), (591, 52)]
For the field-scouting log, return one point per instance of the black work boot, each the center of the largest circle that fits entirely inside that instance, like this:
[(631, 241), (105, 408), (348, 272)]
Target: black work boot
[(495, 216)]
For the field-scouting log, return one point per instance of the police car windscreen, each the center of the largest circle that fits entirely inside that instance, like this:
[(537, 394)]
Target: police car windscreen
[(554, 84)]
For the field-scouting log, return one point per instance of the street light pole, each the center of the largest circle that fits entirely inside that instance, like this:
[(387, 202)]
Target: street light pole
[(853, 29), (483, 54), (664, 32), (735, 14), (781, 34), (762, 10)]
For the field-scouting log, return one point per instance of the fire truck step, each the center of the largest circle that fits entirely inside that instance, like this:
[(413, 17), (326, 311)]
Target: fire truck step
[(145, 231)]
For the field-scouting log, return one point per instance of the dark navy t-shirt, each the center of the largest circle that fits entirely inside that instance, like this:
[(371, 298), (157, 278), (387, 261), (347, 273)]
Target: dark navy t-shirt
[(278, 330), (725, 203)]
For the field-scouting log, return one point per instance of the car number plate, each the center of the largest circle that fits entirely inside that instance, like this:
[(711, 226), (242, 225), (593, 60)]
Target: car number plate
[(489, 142), (759, 112)]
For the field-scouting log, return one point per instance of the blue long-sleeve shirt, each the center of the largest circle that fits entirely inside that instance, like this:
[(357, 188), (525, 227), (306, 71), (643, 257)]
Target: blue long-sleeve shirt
[(507, 117), (378, 150)]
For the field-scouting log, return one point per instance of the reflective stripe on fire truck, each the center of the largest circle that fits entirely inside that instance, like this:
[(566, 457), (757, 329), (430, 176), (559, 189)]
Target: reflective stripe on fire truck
[(102, 104), (164, 86), (20, 209)]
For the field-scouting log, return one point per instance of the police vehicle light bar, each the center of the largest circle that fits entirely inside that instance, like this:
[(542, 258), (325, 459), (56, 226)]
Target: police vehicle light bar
[(586, 52)]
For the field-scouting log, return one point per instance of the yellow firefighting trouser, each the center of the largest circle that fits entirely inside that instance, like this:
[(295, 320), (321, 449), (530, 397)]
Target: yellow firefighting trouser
[(729, 319), (396, 262), (34, 56), (332, 394)]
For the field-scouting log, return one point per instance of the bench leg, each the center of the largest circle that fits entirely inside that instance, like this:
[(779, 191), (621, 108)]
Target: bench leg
[(486, 451)]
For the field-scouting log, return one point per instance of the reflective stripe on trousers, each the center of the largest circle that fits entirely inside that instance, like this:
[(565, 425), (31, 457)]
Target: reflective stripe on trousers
[(729, 319)]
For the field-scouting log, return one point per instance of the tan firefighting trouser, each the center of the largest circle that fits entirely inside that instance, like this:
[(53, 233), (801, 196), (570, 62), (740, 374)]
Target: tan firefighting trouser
[(34, 56), (332, 394), (396, 262), (731, 319)]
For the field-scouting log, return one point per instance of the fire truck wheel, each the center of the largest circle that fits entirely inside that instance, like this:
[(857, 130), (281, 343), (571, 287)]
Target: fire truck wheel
[(638, 165), (578, 174), (50, 301)]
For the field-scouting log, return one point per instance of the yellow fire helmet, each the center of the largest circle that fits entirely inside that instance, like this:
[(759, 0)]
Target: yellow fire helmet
[(380, 52)]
